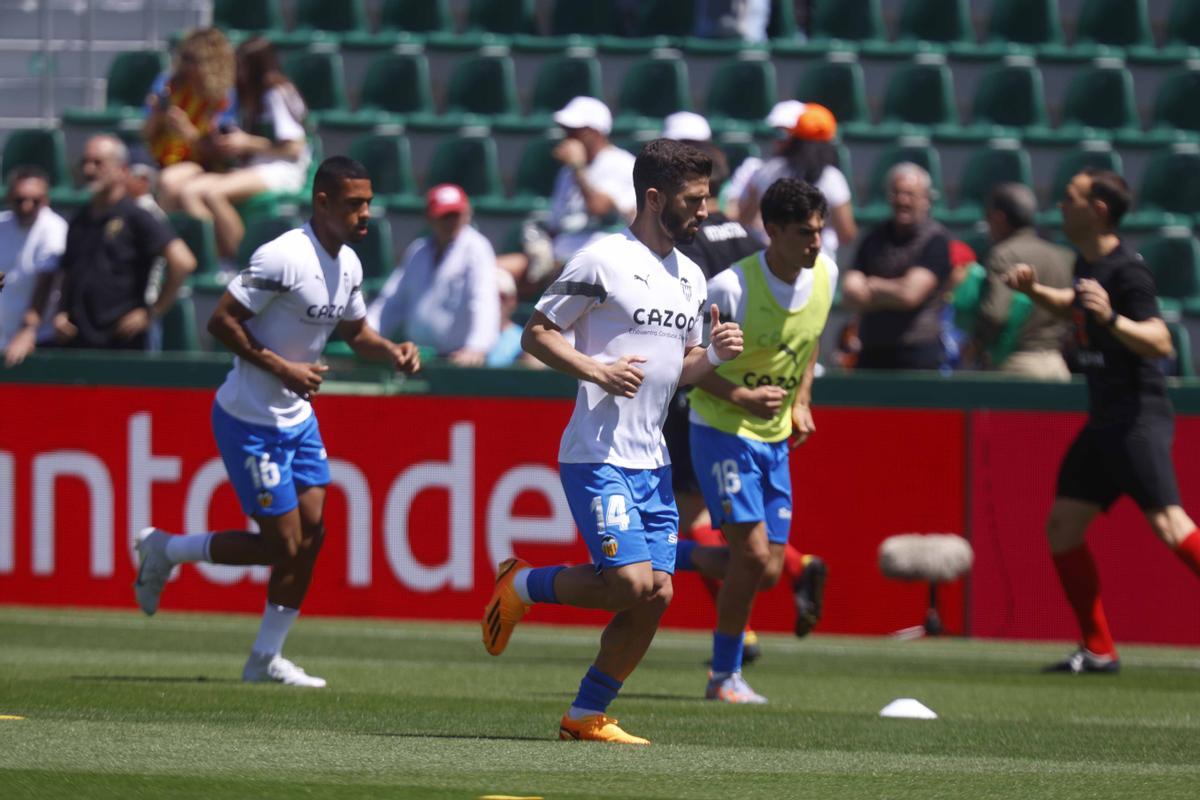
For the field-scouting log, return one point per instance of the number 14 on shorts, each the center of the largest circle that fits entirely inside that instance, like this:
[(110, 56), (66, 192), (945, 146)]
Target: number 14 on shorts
[(611, 515)]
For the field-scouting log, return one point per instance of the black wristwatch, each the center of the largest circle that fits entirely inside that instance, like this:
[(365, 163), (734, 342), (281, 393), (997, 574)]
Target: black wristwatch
[(1112, 320)]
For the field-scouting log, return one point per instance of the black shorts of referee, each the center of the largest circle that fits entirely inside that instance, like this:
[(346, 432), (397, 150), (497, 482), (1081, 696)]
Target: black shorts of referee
[(675, 431)]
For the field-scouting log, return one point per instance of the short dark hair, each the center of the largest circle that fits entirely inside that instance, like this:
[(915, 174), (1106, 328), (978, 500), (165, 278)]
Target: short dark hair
[(1112, 189), (1016, 202), (666, 165), (23, 172), (789, 200), (333, 171)]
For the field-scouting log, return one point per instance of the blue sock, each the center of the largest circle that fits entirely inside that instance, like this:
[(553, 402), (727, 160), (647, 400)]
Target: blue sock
[(596, 691), (683, 554), (727, 653), (541, 584)]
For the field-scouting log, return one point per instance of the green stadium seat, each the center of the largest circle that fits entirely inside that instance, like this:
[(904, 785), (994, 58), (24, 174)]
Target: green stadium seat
[(837, 22), (838, 84), (179, 333), (1020, 25), (395, 89), (652, 89), (936, 23), (1176, 113), (1182, 36), (376, 254), (472, 163), (1181, 365), (401, 23), (480, 87), (130, 76), (1104, 27), (1009, 98), (573, 24), (320, 79), (388, 159), (918, 100), (1094, 155), (1170, 190), (917, 151), (1173, 257), (198, 235), (782, 24), (537, 170), (984, 170), (741, 93), (249, 16), (561, 78), (322, 18), (44, 148), (489, 22), (1098, 105)]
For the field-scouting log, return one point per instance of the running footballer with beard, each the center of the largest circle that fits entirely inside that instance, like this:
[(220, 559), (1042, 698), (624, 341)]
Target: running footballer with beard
[(636, 307)]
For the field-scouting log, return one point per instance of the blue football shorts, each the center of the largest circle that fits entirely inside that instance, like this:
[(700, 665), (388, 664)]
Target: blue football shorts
[(743, 480), (269, 466), (625, 516)]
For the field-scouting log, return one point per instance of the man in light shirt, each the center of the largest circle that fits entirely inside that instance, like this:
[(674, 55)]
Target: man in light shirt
[(593, 192), (637, 308), (32, 240), (444, 294), (275, 317)]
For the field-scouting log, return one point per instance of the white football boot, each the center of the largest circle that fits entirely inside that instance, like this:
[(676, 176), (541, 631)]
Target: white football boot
[(262, 668), (154, 568)]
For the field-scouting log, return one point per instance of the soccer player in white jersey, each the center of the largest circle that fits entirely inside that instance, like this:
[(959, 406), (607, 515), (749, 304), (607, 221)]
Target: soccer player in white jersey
[(636, 307), (276, 317), (744, 413)]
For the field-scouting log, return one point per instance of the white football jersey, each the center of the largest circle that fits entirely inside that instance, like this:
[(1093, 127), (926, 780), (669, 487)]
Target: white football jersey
[(620, 299), (298, 293)]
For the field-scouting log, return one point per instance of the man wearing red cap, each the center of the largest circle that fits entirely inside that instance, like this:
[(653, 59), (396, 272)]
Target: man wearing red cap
[(444, 295)]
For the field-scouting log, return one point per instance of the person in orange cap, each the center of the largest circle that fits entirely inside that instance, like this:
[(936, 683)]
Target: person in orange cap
[(809, 154)]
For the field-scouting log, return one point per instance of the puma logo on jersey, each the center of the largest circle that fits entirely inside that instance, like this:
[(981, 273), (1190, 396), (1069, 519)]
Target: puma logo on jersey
[(643, 279)]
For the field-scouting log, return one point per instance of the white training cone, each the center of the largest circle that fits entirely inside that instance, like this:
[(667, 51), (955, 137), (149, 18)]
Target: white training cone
[(907, 708)]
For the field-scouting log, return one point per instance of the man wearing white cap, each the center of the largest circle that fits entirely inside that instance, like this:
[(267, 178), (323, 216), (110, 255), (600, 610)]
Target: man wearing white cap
[(686, 126), (444, 295), (593, 192), (782, 117)]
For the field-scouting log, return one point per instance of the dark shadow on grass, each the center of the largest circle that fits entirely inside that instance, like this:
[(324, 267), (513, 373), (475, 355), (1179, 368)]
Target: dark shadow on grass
[(152, 679), (463, 736)]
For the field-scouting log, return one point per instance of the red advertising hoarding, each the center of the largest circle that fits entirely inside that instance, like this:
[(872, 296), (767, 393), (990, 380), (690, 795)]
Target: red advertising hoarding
[(428, 494)]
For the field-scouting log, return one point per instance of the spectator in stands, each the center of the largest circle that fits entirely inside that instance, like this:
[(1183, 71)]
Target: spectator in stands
[(444, 294), (593, 193), (808, 153), (1037, 348), (186, 108), (267, 151), (112, 244), (32, 239), (733, 19), (782, 118), (507, 350), (898, 279)]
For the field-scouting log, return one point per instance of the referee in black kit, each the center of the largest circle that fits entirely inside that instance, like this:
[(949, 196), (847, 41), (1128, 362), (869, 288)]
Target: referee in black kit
[(1125, 446)]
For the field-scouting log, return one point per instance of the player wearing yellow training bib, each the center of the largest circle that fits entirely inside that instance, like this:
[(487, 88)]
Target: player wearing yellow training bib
[(743, 414)]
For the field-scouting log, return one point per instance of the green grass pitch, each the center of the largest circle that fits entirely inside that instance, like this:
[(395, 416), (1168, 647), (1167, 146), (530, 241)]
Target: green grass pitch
[(120, 706)]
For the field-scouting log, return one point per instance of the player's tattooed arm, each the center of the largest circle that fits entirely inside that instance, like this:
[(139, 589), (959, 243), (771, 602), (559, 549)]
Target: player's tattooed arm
[(228, 326), (544, 341)]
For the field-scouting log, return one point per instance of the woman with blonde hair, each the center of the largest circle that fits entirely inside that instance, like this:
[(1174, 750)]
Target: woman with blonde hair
[(267, 151), (185, 110)]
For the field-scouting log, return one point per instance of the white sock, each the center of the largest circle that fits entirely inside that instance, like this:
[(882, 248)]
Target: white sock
[(576, 713), (521, 585), (192, 547), (276, 622)]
